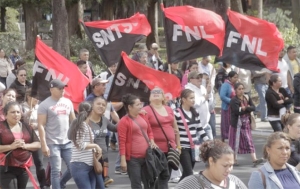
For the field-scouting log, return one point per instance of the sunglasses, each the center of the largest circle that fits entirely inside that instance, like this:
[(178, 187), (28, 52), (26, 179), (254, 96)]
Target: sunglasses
[(155, 48), (156, 92), (198, 77)]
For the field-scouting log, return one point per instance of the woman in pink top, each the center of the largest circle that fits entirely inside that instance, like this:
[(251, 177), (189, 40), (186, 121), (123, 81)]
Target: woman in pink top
[(9, 95), (165, 118), (132, 143), (193, 66)]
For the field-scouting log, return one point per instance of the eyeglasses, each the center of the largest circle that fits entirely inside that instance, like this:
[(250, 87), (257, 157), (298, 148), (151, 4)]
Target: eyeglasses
[(155, 48), (197, 77), (156, 92)]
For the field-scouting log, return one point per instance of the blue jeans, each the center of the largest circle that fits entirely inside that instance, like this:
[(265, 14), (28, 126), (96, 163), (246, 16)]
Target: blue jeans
[(83, 175), (262, 107), (58, 152), (212, 123)]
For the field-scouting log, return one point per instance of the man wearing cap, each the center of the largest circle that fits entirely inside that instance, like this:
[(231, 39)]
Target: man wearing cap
[(202, 96), (55, 114)]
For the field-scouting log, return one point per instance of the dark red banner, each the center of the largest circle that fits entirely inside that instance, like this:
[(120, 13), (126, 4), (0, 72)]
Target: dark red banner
[(110, 38), (51, 65), (192, 33), (136, 78), (251, 43)]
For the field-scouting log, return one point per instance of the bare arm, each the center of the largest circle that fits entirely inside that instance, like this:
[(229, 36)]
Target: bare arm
[(290, 82), (71, 117), (177, 137), (117, 105), (32, 146), (114, 116), (42, 119)]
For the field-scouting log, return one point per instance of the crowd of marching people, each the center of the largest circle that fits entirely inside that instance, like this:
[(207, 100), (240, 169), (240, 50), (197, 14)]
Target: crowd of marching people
[(159, 141)]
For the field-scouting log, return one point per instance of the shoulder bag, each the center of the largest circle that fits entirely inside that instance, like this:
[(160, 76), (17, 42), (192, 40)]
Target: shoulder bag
[(97, 165), (173, 155)]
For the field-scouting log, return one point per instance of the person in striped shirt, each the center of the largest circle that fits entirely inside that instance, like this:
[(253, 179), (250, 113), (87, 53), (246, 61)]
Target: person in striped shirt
[(188, 122), (219, 159)]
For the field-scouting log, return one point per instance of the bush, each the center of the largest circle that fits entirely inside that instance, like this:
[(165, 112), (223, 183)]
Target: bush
[(12, 20), (284, 24), (76, 44), (10, 40)]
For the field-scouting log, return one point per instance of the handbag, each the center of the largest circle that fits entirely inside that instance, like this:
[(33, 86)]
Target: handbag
[(97, 165), (252, 121), (193, 153), (173, 155)]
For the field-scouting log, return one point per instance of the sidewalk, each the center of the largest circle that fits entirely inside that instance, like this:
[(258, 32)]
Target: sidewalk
[(262, 128)]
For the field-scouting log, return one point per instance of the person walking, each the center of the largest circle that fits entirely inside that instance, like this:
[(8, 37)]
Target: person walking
[(55, 114)]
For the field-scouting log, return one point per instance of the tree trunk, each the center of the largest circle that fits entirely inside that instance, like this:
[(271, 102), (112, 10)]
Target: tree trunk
[(95, 11), (153, 20), (31, 31), (60, 28), (75, 13), (236, 5), (257, 8), (107, 12), (3, 23), (221, 7), (296, 13), (207, 5)]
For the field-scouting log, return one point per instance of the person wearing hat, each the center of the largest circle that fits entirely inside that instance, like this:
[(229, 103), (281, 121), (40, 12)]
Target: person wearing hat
[(202, 96), (55, 114)]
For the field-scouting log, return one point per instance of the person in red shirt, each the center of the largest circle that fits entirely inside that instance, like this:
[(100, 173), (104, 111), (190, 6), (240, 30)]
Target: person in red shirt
[(165, 118), (132, 143), (17, 141)]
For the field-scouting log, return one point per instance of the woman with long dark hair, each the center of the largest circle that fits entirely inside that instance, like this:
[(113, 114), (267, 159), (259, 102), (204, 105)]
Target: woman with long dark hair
[(277, 102), (188, 122), (240, 136), (132, 142), (17, 141), (227, 92)]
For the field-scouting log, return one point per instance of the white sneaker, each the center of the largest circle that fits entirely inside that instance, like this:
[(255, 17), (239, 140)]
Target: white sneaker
[(174, 180)]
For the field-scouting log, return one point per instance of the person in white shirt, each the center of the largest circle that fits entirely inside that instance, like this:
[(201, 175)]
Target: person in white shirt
[(206, 67), (201, 99), (283, 73)]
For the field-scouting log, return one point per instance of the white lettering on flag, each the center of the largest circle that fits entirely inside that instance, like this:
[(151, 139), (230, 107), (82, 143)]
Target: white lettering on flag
[(104, 37), (197, 32), (253, 46)]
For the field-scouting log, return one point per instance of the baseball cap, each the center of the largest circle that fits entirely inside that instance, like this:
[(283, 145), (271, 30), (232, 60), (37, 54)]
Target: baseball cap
[(193, 74), (57, 83), (98, 80)]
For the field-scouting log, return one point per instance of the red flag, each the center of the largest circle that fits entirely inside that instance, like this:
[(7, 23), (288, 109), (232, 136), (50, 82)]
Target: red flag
[(251, 43), (110, 38), (59, 67), (192, 32), (169, 83)]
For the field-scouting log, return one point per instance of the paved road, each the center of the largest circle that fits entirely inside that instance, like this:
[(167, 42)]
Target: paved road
[(122, 182)]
